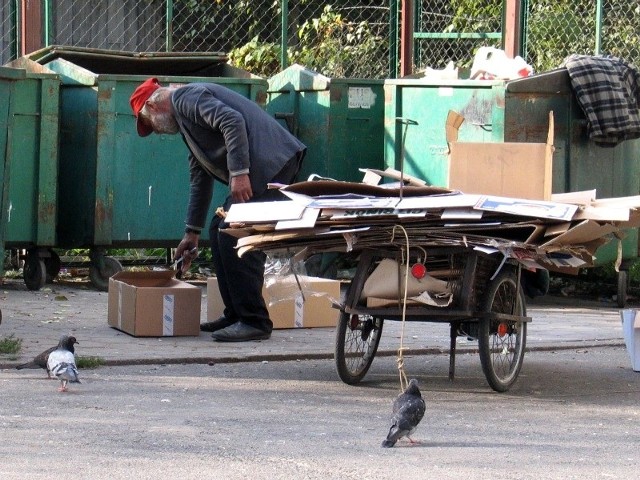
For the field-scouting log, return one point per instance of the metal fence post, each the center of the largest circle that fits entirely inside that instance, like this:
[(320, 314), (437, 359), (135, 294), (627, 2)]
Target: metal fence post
[(169, 26), (284, 29), (598, 48), (393, 38)]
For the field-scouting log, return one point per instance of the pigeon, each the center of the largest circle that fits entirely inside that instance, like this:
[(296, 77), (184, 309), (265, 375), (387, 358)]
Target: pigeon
[(62, 363), (408, 410), (40, 361)]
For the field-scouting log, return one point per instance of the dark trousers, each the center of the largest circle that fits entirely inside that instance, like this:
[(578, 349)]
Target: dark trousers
[(240, 279)]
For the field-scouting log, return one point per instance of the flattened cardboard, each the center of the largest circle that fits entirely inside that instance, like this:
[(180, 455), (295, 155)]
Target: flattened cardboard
[(520, 170), (582, 233), (373, 176), (333, 187), (602, 213), (314, 311), (153, 304), (584, 197)]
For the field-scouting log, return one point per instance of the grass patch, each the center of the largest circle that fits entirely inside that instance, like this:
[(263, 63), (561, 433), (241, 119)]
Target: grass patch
[(89, 362), (10, 345)]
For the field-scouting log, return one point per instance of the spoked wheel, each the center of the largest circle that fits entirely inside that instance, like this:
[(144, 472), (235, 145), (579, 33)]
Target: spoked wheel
[(34, 271), (623, 286), (357, 340), (501, 343), (101, 271)]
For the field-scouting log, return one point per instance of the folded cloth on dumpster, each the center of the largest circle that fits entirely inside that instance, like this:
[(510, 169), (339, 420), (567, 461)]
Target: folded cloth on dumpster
[(607, 89)]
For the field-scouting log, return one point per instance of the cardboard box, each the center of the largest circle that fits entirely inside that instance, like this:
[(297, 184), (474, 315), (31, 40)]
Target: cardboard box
[(153, 304), (293, 312), (519, 170)]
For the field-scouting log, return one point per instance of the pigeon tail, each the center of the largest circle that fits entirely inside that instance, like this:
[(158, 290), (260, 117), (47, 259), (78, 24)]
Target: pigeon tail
[(28, 365)]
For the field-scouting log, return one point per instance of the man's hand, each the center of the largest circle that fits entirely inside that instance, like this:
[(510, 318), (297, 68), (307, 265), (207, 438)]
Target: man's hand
[(241, 189), (187, 250)]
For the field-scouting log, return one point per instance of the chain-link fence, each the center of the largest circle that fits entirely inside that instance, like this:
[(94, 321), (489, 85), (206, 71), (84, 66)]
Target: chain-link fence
[(555, 29), (343, 38), (452, 30), (8, 31), (349, 38)]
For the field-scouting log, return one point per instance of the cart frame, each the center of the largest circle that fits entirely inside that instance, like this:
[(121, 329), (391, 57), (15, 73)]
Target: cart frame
[(487, 302)]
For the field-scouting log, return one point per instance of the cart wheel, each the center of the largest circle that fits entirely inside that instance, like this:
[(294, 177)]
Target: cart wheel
[(52, 265), (100, 277), (623, 286), (502, 343), (357, 340), (34, 272)]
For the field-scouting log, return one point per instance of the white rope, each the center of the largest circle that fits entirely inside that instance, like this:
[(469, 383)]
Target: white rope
[(400, 357)]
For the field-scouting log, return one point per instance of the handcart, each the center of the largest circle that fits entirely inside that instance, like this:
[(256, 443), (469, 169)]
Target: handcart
[(486, 302)]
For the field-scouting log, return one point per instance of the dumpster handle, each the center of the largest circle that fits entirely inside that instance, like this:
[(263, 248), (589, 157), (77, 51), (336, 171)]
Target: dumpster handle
[(406, 122), (487, 127)]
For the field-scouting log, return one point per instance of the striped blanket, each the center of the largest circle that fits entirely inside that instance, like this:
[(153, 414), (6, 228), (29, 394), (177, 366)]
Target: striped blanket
[(608, 90)]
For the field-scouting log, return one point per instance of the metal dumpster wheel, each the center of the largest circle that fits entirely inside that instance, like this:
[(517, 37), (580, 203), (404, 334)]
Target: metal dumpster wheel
[(34, 271), (103, 269), (357, 340), (52, 265), (502, 343)]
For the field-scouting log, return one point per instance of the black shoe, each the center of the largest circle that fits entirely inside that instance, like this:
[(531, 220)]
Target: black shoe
[(240, 332), (219, 324)]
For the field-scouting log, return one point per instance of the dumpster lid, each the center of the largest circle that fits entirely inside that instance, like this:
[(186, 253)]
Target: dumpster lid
[(102, 61), (23, 67), (553, 81), (299, 79), (460, 83)]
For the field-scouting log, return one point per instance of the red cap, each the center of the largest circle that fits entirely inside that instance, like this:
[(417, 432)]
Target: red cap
[(137, 101)]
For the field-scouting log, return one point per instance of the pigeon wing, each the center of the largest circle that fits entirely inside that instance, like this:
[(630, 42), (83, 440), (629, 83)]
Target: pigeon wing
[(40, 361), (408, 410), (60, 356), (409, 413), (66, 371)]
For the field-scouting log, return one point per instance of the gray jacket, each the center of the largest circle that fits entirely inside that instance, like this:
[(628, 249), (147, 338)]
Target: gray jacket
[(228, 135)]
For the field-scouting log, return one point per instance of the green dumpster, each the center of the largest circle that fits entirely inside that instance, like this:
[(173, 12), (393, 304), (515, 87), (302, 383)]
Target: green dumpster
[(340, 120), (415, 115), (578, 163), (118, 190), (29, 102)]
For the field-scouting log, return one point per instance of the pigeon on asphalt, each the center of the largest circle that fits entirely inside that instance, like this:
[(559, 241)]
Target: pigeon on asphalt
[(40, 361), (62, 364), (408, 410)]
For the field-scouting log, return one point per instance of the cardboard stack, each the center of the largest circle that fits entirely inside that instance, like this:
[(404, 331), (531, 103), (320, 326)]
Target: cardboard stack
[(498, 199)]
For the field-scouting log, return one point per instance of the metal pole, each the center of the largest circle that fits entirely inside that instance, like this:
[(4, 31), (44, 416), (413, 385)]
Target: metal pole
[(598, 48), (512, 33), (406, 39), (169, 26), (393, 38), (284, 34), (15, 29)]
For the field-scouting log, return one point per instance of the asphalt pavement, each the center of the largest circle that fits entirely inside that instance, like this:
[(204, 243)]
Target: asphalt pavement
[(192, 408), (39, 318)]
